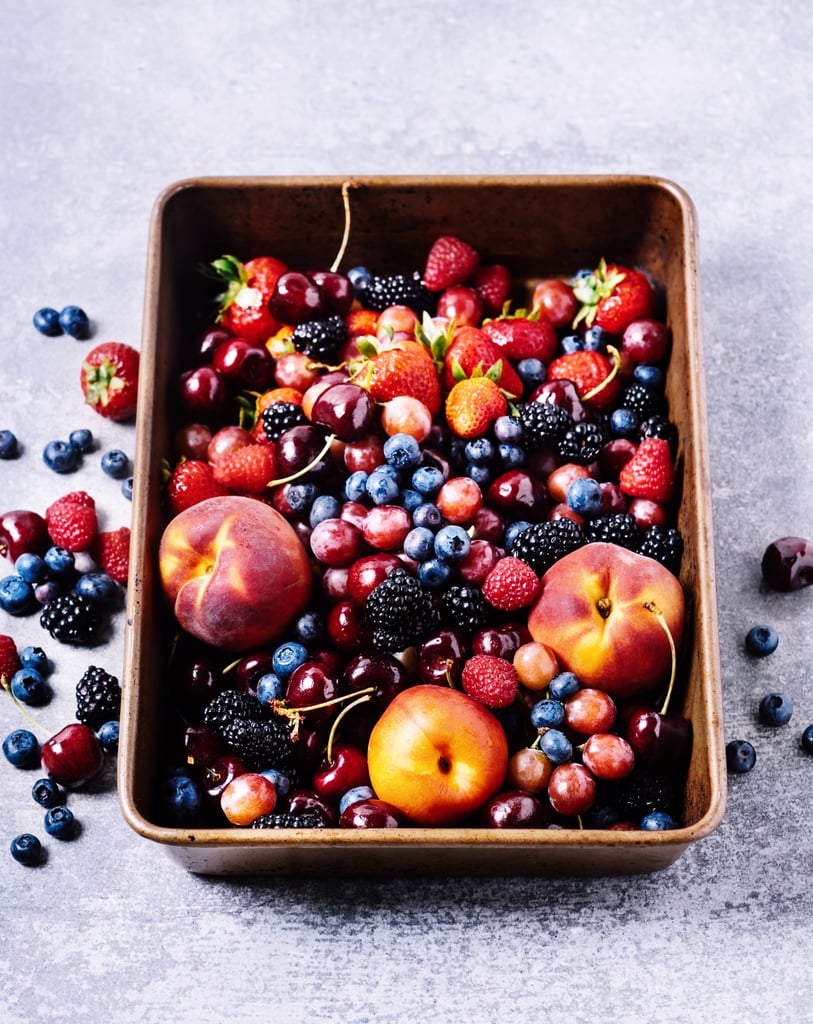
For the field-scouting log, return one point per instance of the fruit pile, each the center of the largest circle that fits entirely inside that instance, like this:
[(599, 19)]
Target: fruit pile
[(421, 552)]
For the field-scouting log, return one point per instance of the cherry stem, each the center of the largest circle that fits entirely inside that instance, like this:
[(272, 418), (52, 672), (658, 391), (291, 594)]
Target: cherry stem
[(360, 700), (5, 685), (616, 356), (279, 707), (655, 610), (306, 469), (346, 186)]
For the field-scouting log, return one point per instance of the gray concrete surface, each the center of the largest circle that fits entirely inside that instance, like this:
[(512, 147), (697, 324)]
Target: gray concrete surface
[(102, 106)]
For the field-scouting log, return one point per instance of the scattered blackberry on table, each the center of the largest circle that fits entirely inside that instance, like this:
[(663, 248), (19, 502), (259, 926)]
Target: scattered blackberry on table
[(98, 697), (397, 290), (465, 607), (320, 339), (287, 819), (543, 422), (642, 400), (665, 545), (400, 612), (582, 443), (72, 619), (618, 528), (281, 416), (541, 544)]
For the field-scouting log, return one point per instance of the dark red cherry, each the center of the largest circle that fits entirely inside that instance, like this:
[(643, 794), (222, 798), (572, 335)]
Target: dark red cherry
[(204, 346), (441, 657), (371, 813), (312, 683), (203, 394), (517, 494), (501, 641), (366, 573), (346, 770), (21, 532), (73, 756), (345, 410), (565, 394), (308, 801), (337, 292), (201, 746), (296, 299), (788, 564), (251, 668), (298, 447), (218, 775), (514, 809), (661, 742), (244, 363), (382, 671)]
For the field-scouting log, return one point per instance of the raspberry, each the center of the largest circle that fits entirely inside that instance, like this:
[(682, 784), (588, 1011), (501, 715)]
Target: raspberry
[(9, 659), (512, 584), (72, 521), (490, 680), (111, 550)]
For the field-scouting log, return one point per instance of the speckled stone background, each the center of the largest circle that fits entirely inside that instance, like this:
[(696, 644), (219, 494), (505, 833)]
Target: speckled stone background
[(103, 104)]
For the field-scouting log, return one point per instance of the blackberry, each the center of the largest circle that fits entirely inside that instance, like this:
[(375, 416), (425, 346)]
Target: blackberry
[(72, 619), (543, 422), (665, 545), (398, 290), (641, 793), (230, 705), (98, 697), (541, 544), (582, 443), (465, 607), (400, 612), (618, 528), (259, 745), (281, 416), (642, 400), (287, 819), (320, 339), (660, 426)]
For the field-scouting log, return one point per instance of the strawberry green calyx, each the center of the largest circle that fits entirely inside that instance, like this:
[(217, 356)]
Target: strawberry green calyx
[(518, 314), (230, 271), (592, 289), (102, 382)]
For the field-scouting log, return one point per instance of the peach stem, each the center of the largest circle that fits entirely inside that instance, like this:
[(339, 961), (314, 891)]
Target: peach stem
[(616, 367), (653, 608)]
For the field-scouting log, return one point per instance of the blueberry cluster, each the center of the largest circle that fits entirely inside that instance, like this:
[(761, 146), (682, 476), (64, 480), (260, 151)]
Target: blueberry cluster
[(71, 320)]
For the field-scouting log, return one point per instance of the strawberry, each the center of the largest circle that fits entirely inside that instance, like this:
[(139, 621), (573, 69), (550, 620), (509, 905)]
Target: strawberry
[(405, 368), (109, 380), (450, 261), (471, 347), (474, 403), (249, 287), (612, 297), (361, 321), (9, 659), (111, 551), (490, 680), (72, 521), (596, 379), (510, 585), (493, 285), (192, 481), (649, 473), (523, 336), (249, 469)]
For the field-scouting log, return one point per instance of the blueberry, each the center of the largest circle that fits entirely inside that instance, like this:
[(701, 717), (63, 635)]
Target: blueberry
[(29, 687), (402, 451), (513, 530), (807, 740), (584, 496), (434, 573), (127, 488), (657, 821), (355, 486), (511, 456), (60, 456), (649, 376), (352, 796), (60, 561), (101, 588), (287, 657), (310, 627), (9, 447), (547, 714), (419, 543), (26, 849), (108, 736), (36, 658), (31, 567), (775, 709), (563, 686), (761, 641), (46, 793), (17, 596), (178, 800), (270, 687), (382, 488), (452, 543), (427, 514), (740, 756), (115, 464), (571, 343), (531, 372), (21, 748), (481, 475), (479, 451), (48, 590), (508, 429), (427, 480), (325, 506), (411, 499), (595, 339), (81, 439), (74, 321), (46, 321), (281, 782), (624, 422), (360, 277), (301, 496), (556, 746), (60, 822)]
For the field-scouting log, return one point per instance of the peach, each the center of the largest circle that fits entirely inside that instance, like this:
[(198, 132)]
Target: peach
[(234, 571), (436, 754), (593, 613)]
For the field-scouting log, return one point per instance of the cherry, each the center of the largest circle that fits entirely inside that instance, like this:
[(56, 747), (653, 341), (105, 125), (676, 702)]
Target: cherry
[(203, 393), (441, 657), (787, 564), (207, 342), (501, 641), (346, 626), (195, 680), (661, 741), (337, 291), (384, 672), (73, 756), (244, 363), (488, 525), (514, 809), (345, 409), (307, 801), (645, 341), (21, 532), (461, 304), (346, 769), (312, 683), (565, 394), (217, 775), (614, 456), (251, 668), (517, 495), (296, 299), (478, 563), (201, 745), (371, 813), (367, 572), (299, 447)]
